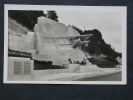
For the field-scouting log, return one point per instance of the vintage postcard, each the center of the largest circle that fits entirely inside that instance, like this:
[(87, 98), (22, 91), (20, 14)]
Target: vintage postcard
[(46, 44)]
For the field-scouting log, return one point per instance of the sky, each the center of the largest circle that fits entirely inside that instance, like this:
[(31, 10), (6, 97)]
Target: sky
[(109, 23)]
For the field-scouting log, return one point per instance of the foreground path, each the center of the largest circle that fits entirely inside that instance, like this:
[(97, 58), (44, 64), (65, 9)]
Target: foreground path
[(104, 76), (108, 77)]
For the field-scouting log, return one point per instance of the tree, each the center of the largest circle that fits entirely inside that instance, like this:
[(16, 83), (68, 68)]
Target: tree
[(26, 18), (79, 30), (52, 15)]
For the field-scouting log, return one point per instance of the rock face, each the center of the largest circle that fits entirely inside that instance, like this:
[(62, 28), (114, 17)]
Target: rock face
[(51, 28), (50, 41), (19, 37), (53, 43)]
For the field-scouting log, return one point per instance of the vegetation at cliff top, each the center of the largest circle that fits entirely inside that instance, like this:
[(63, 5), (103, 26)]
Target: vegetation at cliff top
[(96, 46)]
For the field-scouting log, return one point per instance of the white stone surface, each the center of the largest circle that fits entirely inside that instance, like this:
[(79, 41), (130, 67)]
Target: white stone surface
[(23, 43), (53, 43), (20, 68), (50, 42), (74, 68), (90, 69), (49, 72)]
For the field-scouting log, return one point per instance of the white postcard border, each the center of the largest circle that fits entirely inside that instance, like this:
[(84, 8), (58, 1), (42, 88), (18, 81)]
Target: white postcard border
[(68, 8)]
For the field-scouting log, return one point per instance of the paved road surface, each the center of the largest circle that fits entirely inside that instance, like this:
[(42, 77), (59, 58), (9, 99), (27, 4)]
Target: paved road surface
[(108, 77)]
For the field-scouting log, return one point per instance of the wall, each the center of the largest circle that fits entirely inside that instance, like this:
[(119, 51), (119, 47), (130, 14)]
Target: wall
[(20, 38), (50, 71), (53, 43), (50, 39), (20, 68), (22, 43)]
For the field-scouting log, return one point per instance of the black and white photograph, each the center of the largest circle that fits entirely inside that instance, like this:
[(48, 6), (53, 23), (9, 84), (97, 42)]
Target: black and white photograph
[(46, 44)]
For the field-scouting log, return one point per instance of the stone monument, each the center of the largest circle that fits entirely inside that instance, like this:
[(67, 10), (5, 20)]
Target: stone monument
[(54, 42), (20, 68)]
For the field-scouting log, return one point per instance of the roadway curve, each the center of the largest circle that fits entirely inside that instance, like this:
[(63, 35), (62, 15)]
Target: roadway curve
[(109, 77)]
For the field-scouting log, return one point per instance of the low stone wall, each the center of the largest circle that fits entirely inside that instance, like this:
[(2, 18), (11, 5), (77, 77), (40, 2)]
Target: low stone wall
[(49, 71), (76, 68), (90, 69)]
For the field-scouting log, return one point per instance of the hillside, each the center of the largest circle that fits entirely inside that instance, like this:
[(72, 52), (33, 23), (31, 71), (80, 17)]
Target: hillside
[(96, 46)]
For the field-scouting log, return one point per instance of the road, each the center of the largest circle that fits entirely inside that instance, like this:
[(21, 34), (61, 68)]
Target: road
[(108, 77)]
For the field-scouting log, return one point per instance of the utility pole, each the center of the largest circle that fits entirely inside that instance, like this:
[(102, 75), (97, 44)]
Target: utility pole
[(84, 28)]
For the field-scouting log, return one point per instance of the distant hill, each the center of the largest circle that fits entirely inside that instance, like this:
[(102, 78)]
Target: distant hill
[(98, 46)]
